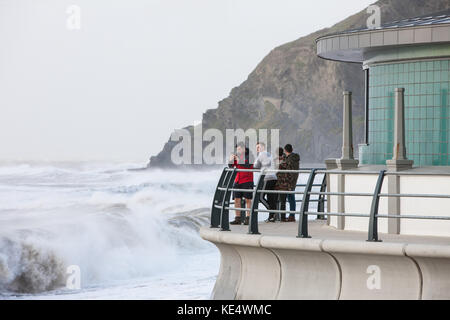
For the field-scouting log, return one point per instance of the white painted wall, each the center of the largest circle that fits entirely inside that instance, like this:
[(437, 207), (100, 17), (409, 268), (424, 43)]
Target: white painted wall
[(425, 206), (355, 204), (364, 183)]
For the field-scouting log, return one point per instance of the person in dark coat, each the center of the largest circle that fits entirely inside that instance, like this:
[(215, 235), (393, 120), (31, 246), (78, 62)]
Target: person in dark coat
[(292, 163), (282, 183)]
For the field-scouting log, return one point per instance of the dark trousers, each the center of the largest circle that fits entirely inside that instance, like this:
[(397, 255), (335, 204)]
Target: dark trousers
[(282, 204), (292, 203), (270, 198)]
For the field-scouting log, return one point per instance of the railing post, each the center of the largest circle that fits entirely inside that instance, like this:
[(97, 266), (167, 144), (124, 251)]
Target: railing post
[(215, 212), (224, 213), (373, 219), (303, 219), (253, 223), (321, 201)]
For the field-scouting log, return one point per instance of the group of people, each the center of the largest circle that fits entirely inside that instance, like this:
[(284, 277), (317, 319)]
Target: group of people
[(286, 159)]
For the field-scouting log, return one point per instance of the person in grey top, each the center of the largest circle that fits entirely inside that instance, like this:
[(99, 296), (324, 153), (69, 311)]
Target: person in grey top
[(265, 161)]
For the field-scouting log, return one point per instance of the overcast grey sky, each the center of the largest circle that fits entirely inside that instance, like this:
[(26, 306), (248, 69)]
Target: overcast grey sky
[(136, 70)]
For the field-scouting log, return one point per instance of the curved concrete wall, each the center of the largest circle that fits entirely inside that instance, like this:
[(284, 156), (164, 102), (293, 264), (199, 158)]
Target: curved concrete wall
[(296, 261), (271, 267), (229, 274), (299, 283), (397, 275), (434, 264), (257, 262)]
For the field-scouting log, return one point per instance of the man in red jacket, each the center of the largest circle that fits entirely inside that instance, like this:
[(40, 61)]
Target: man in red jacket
[(244, 180)]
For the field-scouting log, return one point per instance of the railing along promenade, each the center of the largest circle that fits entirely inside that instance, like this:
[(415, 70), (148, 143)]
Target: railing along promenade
[(222, 204)]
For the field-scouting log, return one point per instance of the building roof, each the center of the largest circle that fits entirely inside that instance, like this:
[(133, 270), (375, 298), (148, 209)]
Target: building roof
[(351, 45), (426, 20)]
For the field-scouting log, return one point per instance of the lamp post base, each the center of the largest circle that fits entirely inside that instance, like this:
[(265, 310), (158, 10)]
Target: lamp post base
[(345, 164), (399, 165)]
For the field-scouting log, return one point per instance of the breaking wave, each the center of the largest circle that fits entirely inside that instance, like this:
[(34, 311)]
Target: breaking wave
[(113, 223)]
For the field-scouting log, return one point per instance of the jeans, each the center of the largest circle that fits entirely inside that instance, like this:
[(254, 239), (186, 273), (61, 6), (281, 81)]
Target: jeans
[(292, 203)]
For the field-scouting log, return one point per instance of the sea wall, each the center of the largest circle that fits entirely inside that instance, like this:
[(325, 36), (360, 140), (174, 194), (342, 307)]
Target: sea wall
[(274, 267)]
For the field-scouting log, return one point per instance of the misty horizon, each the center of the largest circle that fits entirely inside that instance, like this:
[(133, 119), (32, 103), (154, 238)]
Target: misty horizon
[(116, 88)]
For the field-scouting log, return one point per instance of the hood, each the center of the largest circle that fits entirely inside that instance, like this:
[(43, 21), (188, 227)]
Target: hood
[(294, 157)]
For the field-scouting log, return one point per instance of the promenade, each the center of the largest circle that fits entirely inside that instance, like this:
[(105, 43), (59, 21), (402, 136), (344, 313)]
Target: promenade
[(318, 230)]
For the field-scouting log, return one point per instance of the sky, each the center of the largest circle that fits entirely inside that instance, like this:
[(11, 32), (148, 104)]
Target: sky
[(109, 80)]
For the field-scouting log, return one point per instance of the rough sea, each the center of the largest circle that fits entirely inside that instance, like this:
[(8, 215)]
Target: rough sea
[(127, 234)]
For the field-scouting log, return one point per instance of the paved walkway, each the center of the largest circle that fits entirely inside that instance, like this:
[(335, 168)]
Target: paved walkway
[(319, 230)]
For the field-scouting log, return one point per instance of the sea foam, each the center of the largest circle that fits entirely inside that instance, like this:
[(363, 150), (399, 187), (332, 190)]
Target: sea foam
[(115, 224)]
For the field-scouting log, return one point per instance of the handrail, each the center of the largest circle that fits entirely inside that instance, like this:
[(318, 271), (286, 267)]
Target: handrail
[(262, 191), (321, 200), (224, 216), (375, 172), (270, 170), (253, 222), (221, 202), (373, 219), (415, 195), (337, 214), (405, 216), (215, 213), (353, 194), (303, 220)]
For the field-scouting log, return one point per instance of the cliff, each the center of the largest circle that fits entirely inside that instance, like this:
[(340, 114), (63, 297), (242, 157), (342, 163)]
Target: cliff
[(293, 90)]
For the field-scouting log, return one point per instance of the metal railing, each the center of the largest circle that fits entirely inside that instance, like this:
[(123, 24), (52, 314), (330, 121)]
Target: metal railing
[(221, 202)]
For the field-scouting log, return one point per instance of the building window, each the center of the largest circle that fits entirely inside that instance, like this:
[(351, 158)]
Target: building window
[(427, 124)]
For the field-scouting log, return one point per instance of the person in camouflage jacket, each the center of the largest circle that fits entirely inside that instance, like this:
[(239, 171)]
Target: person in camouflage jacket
[(283, 179), (293, 163)]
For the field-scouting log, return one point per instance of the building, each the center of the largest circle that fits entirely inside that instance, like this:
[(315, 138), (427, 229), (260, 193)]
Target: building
[(413, 54), (406, 63)]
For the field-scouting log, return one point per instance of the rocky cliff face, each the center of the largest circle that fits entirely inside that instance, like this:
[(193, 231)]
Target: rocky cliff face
[(295, 91)]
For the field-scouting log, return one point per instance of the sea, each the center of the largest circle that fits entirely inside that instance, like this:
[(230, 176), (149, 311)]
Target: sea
[(105, 231)]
